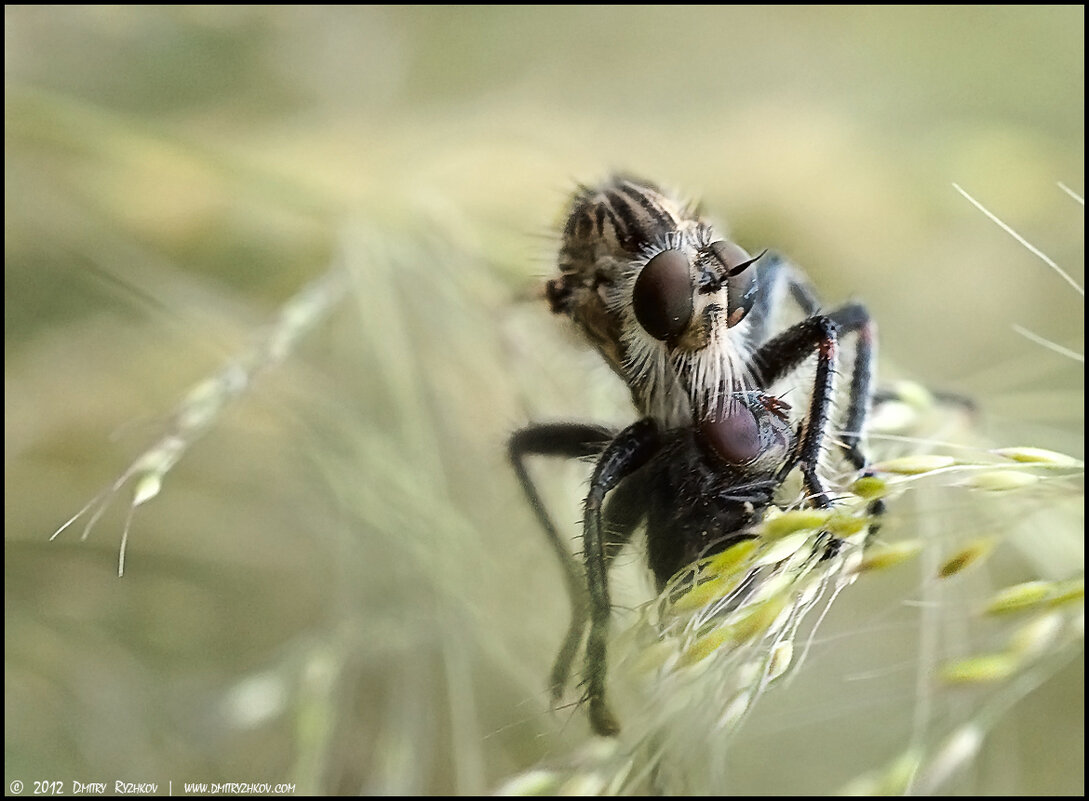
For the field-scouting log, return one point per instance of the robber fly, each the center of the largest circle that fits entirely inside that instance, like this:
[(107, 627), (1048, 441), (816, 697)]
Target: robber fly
[(682, 316)]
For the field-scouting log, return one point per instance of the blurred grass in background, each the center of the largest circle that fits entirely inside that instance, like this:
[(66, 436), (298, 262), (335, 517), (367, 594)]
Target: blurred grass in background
[(339, 585)]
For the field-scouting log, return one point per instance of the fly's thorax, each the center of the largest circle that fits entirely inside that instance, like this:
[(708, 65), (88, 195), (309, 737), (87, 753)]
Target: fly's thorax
[(607, 228), (617, 220)]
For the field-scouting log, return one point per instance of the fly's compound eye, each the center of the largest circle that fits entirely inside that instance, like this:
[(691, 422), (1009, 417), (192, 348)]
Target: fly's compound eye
[(740, 282), (746, 436), (662, 297), (734, 435)]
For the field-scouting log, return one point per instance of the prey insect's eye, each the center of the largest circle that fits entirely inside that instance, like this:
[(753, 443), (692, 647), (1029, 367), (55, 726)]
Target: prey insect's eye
[(740, 283), (734, 435), (662, 297), (749, 431)]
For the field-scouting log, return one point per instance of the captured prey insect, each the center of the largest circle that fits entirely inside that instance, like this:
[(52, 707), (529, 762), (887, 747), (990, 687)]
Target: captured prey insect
[(683, 317)]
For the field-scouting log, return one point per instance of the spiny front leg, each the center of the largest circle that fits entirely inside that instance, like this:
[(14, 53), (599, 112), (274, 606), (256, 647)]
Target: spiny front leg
[(572, 441), (854, 318), (629, 451), (780, 356)]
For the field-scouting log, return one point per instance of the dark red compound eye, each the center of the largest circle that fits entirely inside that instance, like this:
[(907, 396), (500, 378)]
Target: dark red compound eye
[(739, 279), (730, 254), (662, 297), (734, 434)]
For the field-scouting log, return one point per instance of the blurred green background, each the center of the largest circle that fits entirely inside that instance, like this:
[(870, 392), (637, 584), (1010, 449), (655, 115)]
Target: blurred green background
[(339, 585)]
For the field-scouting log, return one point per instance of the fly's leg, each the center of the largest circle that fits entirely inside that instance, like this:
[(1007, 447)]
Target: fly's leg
[(573, 441), (820, 333), (630, 450), (777, 358), (853, 318), (775, 276), (624, 511), (771, 277), (622, 514)]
